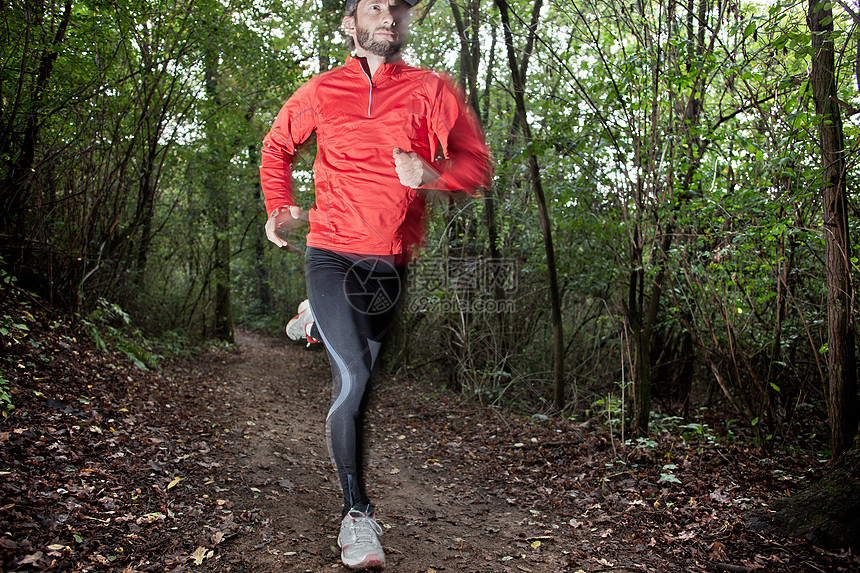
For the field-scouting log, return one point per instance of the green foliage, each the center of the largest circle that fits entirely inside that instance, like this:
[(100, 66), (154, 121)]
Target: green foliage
[(6, 277), (643, 444), (679, 160), (6, 404), (111, 329), (666, 476), (13, 329), (610, 410), (16, 332)]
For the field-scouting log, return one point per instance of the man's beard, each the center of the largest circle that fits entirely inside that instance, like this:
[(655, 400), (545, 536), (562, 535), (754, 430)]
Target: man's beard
[(364, 38)]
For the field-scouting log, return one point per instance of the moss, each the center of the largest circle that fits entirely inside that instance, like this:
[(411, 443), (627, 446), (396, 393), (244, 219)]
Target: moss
[(827, 514)]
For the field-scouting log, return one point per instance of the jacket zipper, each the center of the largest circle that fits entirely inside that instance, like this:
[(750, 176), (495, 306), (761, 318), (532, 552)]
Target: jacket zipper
[(370, 93)]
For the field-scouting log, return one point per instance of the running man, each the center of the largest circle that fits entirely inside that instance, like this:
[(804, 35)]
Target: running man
[(386, 134)]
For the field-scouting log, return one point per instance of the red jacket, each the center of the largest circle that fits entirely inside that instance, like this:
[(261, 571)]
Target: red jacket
[(361, 206)]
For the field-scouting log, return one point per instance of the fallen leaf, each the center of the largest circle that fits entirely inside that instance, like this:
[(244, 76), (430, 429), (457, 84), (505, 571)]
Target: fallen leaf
[(199, 555), (32, 559), (149, 518), (173, 483), (751, 565), (718, 552), (719, 497)]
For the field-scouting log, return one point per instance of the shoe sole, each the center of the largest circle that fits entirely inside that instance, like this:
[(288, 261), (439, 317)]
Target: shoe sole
[(370, 562), (291, 335)]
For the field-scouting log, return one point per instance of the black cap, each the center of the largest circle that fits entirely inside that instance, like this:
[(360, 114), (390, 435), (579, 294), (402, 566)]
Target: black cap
[(348, 3)]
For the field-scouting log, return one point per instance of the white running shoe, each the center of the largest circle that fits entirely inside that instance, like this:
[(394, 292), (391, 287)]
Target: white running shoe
[(299, 327), (359, 541)]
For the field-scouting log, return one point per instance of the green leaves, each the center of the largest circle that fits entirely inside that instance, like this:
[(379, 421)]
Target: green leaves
[(667, 476), (15, 330), (6, 404)]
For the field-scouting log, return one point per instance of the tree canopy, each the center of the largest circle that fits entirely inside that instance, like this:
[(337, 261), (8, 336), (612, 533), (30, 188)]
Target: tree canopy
[(670, 225)]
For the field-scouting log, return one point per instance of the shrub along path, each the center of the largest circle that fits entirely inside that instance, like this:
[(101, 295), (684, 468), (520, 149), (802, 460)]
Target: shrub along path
[(218, 463)]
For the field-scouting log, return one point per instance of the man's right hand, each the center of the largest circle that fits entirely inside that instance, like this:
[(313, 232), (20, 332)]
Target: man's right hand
[(282, 222), (412, 170)]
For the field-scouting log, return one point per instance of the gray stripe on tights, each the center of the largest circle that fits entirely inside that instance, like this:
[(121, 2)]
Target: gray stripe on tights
[(345, 376)]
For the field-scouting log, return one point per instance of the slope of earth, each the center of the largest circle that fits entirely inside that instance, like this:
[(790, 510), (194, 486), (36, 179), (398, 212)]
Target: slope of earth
[(219, 464)]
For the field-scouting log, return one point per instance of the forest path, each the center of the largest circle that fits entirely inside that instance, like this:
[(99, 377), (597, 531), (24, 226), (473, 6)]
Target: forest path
[(436, 516), (217, 463)]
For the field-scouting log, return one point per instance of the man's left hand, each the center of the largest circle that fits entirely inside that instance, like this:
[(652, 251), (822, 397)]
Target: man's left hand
[(282, 222), (412, 170)]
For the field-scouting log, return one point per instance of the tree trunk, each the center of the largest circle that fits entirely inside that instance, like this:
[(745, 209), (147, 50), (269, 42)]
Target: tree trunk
[(827, 514), (329, 21), (470, 57), (146, 205), (17, 187), (264, 291), (641, 345), (470, 53), (842, 404), (220, 207), (546, 227)]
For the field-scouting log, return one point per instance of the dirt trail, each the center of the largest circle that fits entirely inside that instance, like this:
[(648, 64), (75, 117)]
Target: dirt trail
[(217, 463), (435, 517)]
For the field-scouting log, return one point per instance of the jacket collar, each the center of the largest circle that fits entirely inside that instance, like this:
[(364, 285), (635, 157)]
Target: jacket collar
[(356, 63)]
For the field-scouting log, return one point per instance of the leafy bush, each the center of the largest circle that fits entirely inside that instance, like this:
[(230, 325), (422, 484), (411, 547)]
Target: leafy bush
[(5, 397), (16, 331), (110, 327)]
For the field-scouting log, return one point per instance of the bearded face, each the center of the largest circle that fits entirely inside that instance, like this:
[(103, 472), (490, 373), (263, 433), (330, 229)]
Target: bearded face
[(381, 40)]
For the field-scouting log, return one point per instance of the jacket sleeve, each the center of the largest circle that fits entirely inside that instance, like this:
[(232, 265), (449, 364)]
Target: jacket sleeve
[(466, 165), (295, 123)]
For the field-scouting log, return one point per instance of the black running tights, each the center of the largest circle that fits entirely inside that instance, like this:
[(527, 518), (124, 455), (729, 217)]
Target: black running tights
[(354, 301)]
